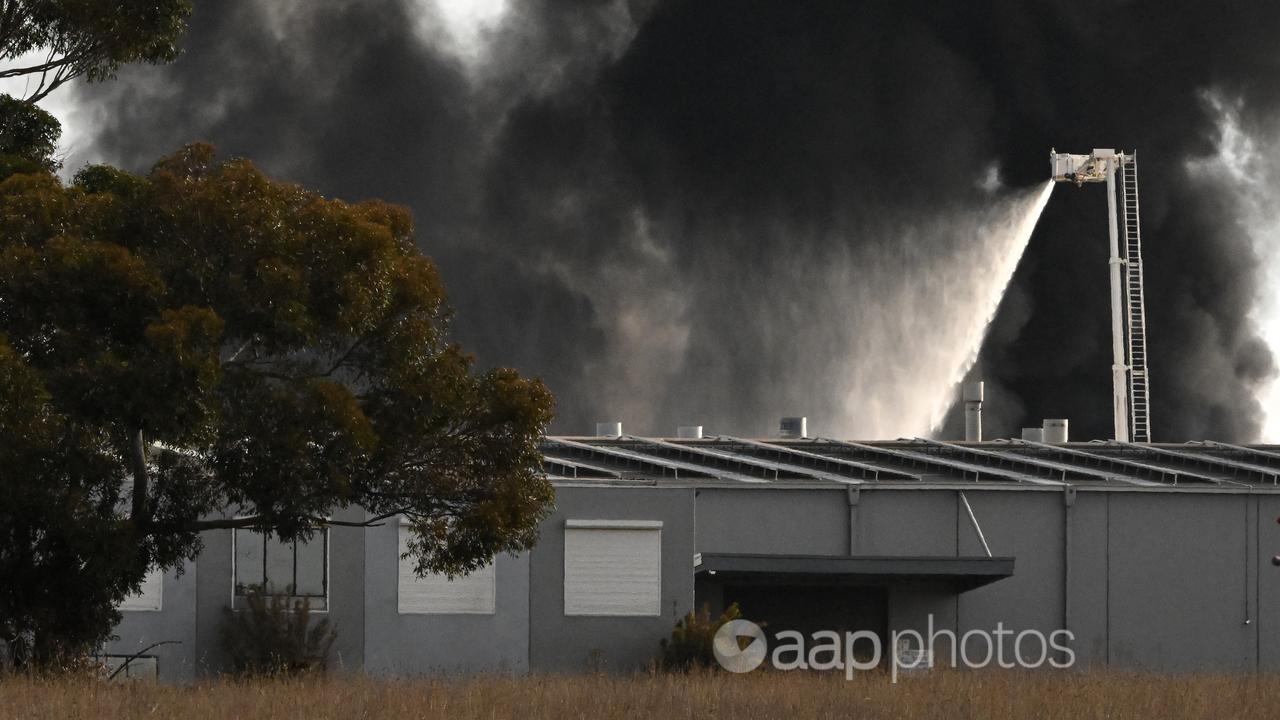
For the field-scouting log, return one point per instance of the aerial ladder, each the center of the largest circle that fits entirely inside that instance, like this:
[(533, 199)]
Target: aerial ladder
[(1131, 391)]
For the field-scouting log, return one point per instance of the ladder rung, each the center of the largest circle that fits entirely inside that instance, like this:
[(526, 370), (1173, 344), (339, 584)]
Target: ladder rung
[(1130, 213)]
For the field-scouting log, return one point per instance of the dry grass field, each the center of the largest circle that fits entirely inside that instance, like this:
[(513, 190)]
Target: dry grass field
[(949, 695)]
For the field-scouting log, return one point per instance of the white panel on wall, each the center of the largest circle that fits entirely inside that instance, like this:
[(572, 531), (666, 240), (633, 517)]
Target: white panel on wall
[(151, 596), (437, 594), (612, 567)]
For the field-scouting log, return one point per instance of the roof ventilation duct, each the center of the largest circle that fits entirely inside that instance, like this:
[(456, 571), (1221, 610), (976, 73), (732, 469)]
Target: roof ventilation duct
[(1033, 434), (689, 432), (1055, 431), (608, 429), (793, 428), (973, 392)]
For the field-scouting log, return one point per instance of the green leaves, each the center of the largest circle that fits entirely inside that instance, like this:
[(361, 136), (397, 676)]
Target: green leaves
[(178, 364), (28, 137), (88, 38), (281, 353)]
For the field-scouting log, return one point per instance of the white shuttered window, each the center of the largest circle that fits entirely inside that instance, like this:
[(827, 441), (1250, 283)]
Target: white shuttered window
[(437, 594), (613, 567), (150, 597)]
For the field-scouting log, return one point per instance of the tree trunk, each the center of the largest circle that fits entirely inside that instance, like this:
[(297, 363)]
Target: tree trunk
[(138, 512)]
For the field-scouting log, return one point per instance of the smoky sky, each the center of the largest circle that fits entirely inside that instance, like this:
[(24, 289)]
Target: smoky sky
[(641, 202)]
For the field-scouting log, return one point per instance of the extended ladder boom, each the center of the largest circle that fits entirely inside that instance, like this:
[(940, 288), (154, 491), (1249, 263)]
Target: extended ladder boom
[(1131, 392), (1135, 306)]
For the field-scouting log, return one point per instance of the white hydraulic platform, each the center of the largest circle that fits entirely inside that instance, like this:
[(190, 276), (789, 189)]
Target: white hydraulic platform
[(1130, 383)]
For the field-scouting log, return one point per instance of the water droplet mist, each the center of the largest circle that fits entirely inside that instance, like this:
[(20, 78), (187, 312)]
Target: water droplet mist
[(915, 345)]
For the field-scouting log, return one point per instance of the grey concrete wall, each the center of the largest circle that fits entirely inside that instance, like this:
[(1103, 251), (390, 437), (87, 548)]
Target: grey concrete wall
[(913, 605), (1086, 612), (906, 522), (568, 643), (751, 520), (1266, 613), (1144, 580), (406, 645), (1179, 582), (213, 597), (346, 591), (175, 621), (1027, 526), (1165, 581)]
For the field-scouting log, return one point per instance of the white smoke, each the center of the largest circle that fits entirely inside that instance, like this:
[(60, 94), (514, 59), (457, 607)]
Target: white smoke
[(462, 29)]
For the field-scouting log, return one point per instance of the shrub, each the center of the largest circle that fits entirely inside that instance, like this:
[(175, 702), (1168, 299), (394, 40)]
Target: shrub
[(690, 645), (272, 638)]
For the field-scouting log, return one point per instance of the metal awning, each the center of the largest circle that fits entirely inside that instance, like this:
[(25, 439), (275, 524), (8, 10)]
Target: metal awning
[(966, 573)]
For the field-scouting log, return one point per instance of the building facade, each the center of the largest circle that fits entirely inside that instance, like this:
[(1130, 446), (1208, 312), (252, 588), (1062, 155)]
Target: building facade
[(1155, 557)]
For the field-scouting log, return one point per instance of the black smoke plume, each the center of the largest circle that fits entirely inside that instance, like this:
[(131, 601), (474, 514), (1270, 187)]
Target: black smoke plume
[(642, 201)]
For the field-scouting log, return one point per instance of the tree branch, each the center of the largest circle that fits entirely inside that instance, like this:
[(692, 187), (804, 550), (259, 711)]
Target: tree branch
[(347, 355), (38, 68), (138, 512), (242, 348), (257, 522)]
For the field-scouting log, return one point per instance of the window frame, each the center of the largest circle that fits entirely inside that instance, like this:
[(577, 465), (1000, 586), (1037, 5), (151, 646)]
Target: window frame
[(238, 597)]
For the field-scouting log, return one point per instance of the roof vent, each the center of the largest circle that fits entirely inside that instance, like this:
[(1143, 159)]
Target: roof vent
[(973, 411), (608, 429), (689, 432), (1033, 434), (793, 427), (1055, 431)]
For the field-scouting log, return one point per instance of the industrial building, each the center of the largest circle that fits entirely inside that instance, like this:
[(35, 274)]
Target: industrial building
[(1147, 556), (1154, 556)]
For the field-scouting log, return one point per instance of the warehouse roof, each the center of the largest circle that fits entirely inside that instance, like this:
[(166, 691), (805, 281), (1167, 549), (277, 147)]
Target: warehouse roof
[(915, 462)]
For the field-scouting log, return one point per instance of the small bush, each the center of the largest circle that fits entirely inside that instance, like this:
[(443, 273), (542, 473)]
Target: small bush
[(272, 638), (690, 645)]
